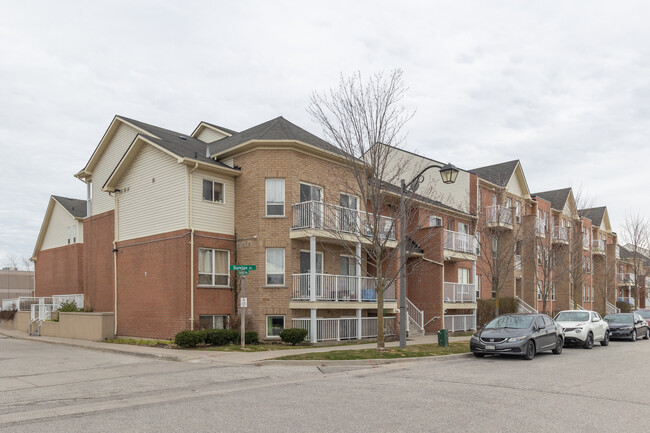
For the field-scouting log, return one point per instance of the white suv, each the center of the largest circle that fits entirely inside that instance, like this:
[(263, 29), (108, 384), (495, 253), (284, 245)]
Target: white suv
[(583, 327)]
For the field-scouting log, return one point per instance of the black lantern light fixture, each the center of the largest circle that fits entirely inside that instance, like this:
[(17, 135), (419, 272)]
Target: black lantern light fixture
[(449, 173)]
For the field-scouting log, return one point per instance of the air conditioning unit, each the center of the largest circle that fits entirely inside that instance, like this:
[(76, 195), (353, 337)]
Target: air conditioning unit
[(435, 221)]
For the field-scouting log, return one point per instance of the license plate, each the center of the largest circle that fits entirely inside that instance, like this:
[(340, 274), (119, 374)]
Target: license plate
[(490, 347)]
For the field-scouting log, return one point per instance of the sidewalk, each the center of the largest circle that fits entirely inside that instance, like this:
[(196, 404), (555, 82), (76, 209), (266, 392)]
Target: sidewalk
[(197, 356)]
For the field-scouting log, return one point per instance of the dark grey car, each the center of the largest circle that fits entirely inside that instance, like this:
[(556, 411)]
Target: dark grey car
[(518, 334)]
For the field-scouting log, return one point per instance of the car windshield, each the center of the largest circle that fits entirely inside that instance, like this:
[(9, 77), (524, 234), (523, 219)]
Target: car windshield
[(619, 318), (572, 316), (644, 313), (518, 322)]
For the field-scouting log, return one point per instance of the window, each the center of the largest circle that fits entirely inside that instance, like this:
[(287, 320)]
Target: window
[(310, 192), (508, 202), (548, 321), (553, 292), (274, 325), (539, 254), (435, 221), (74, 234), (495, 244), (348, 212), (213, 191), (477, 235), (69, 230), (213, 322), (275, 267), (478, 200), (451, 224), (539, 323), (274, 197), (213, 267), (478, 287), (539, 290)]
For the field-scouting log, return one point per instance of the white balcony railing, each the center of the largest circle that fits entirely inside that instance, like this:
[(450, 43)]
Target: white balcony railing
[(540, 228), (499, 215), (598, 246), (518, 262), (461, 242), (626, 278), (460, 322), (459, 292), (561, 234), (337, 288), (325, 216), (585, 242), (345, 328)]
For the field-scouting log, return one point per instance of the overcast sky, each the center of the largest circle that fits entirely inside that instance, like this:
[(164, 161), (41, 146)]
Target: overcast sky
[(563, 86)]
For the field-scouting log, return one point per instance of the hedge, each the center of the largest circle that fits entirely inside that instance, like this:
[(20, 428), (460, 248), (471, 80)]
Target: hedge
[(293, 335), (213, 337), (486, 309)]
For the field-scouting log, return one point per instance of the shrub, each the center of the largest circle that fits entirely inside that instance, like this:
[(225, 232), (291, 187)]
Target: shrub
[(486, 309), (250, 337), (220, 337), (293, 335), (69, 307), (624, 306), (8, 314), (189, 338)]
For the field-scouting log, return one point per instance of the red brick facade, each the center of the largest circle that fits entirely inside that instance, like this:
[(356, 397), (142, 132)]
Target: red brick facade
[(60, 271)]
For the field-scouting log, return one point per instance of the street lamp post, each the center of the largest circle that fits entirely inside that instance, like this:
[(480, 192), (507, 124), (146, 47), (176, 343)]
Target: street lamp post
[(449, 173)]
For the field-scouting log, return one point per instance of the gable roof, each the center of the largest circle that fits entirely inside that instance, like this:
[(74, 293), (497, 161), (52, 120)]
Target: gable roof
[(75, 207), (213, 126), (278, 129), (557, 197), (595, 214), (498, 174)]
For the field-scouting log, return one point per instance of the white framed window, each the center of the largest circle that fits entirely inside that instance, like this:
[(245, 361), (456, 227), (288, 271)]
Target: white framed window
[(213, 191), (213, 322), (309, 192), (478, 287), (69, 234), (274, 326), (435, 221), (275, 197), (74, 234), (213, 267), (275, 266), (553, 292), (539, 290), (477, 235), (478, 200)]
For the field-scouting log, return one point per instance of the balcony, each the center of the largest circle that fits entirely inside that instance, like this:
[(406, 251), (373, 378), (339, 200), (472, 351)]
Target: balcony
[(540, 228), (628, 299), (498, 217), (459, 293), (585, 242), (314, 218), (625, 278), (338, 329), (598, 246), (560, 235), (460, 322), (339, 288), (459, 246)]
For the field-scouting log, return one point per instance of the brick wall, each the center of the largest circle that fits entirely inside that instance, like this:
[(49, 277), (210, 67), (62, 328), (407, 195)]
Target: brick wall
[(59, 271), (99, 231)]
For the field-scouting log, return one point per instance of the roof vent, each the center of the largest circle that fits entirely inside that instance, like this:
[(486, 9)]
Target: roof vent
[(196, 155), (182, 137)]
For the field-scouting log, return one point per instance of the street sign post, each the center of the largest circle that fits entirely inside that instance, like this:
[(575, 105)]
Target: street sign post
[(242, 267), (242, 271)]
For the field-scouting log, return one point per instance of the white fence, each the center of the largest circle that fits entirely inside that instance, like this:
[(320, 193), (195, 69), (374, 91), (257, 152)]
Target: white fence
[(415, 314), (57, 300), (339, 288), (561, 234), (24, 303), (40, 312), (459, 292), (41, 308), (346, 328), (462, 242), (499, 215), (319, 215), (460, 322)]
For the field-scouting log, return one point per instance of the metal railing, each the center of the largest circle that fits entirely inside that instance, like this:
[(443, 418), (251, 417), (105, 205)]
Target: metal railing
[(339, 288), (611, 308), (41, 312), (561, 234), (460, 322), (540, 228), (518, 262), (626, 278), (78, 299), (523, 307), (345, 328), (598, 246), (459, 292), (499, 215), (461, 242), (319, 215), (415, 314), (24, 303)]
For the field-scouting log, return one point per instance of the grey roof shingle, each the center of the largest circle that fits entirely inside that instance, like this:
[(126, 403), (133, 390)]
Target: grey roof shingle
[(274, 129), (498, 174), (179, 144), (557, 198), (73, 205), (595, 214)]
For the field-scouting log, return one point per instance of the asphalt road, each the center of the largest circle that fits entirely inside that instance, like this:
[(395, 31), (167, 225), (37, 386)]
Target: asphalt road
[(54, 388)]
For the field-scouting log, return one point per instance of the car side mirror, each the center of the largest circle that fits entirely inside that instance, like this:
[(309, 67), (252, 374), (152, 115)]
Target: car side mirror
[(594, 319)]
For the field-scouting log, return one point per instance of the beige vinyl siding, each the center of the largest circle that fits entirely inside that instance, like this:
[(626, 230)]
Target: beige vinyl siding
[(209, 216), (404, 165), (230, 162), (101, 200), (514, 186), (208, 135), (154, 195), (56, 234)]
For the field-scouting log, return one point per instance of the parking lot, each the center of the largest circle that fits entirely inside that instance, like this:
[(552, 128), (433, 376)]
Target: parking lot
[(45, 387)]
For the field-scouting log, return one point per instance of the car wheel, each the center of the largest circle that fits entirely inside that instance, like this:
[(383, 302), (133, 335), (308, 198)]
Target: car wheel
[(558, 346), (633, 335), (647, 334), (479, 355), (530, 351), (605, 341), (589, 342)]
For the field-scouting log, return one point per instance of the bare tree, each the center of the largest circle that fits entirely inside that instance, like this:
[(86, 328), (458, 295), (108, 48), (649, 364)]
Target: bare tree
[(364, 120), (635, 235), (11, 261)]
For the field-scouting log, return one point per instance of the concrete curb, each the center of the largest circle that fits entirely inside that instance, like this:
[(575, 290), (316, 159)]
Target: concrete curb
[(362, 362)]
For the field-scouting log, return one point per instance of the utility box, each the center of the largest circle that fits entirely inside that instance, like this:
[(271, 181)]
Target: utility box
[(443, 338)]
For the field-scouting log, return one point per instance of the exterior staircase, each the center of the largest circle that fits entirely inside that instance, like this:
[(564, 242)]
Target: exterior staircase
[(415, 320)]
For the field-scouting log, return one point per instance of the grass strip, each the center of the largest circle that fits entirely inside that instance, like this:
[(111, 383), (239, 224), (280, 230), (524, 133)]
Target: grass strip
[(415, 351)]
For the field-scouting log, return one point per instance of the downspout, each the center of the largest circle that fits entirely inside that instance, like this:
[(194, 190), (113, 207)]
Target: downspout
[(115, 240), (191, 226)]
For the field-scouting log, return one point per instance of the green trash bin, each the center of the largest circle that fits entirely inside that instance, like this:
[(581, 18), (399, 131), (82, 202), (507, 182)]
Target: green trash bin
[(443, 338)]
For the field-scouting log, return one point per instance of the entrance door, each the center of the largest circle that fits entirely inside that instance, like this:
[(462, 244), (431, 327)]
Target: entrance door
[(313, 212), (464, 290)]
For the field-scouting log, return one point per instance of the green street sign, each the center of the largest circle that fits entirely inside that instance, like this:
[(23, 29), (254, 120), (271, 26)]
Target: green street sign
[(242, 272), (242, 267)]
